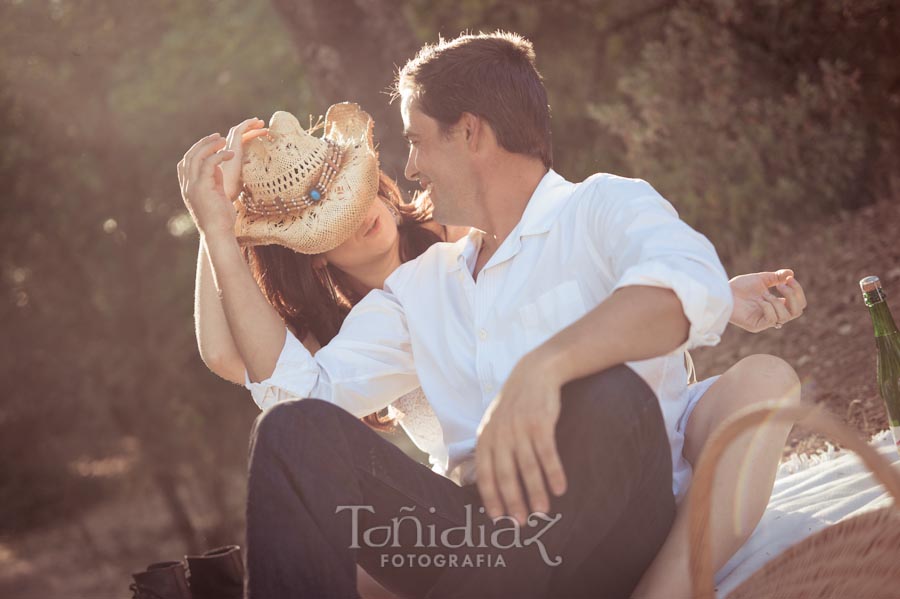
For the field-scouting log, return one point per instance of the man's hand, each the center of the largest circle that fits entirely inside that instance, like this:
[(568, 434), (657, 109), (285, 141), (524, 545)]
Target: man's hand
[(757, 309), (517, 437)]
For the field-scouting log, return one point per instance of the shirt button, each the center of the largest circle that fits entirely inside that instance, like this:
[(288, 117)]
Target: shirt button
[(482, 334), (488, 388)]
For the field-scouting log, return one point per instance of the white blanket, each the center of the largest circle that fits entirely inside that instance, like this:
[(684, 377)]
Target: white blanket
[(810, 493)]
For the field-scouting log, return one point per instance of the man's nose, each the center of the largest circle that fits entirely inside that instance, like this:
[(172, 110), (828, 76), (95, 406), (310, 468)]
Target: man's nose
[(411, 172)]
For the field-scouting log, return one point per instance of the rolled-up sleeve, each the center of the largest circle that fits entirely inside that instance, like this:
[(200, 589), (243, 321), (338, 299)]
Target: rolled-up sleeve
[(363, 369), (646, 243), (294, 377)]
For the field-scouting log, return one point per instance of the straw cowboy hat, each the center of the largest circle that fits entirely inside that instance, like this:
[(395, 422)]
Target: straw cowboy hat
[(308, 193)]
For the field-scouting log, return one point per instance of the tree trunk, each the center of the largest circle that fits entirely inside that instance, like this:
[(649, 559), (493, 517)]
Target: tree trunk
[(351, 50), (167, 485)]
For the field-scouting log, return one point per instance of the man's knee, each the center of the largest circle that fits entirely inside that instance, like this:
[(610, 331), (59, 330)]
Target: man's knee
[(290, 417), (610, 411), (611, 428), (617, 390)]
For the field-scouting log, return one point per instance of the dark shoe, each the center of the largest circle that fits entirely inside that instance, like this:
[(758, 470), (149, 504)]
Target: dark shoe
[(162, 580), (217, 574)]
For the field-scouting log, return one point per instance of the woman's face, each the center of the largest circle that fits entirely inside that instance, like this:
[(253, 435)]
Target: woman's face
[(376, 237)]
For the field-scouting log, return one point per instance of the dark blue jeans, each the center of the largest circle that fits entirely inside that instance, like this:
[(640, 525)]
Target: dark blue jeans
[(326, 493)]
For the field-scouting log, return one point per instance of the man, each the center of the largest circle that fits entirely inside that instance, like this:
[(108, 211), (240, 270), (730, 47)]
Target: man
[(549, 343)]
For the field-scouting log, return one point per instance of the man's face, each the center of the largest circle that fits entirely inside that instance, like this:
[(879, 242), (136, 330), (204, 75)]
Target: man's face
[(439, 162)]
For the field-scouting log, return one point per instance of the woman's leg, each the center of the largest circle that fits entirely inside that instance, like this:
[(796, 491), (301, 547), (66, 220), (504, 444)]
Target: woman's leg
[(744, 479)]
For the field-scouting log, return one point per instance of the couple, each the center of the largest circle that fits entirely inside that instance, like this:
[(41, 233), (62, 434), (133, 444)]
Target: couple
[(549, 340)]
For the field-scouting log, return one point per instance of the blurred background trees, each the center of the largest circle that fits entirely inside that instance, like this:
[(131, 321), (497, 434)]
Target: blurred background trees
[(751, 117)]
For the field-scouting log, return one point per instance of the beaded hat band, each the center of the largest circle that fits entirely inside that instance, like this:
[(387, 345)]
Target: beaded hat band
[(304, 192), (296, 205)]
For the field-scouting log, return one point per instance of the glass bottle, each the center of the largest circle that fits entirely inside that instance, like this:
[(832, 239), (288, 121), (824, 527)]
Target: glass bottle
[(887, 344)]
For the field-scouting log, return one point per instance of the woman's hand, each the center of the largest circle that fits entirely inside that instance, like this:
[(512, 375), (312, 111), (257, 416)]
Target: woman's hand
[(757, 309), (237, 137), (206, 183)]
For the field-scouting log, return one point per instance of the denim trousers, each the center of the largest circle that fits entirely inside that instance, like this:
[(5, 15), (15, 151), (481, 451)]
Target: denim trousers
[(326, 492)]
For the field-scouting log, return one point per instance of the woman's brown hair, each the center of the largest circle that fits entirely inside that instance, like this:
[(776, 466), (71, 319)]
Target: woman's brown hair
[(316, 301)]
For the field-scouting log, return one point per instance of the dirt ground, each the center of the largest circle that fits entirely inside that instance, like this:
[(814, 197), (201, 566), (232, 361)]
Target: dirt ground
[(831, 347)]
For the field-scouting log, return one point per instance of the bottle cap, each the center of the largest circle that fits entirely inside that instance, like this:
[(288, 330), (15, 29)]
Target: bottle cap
[(869, 284)]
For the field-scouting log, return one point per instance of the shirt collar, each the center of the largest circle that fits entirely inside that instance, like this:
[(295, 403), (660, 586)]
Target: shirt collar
[(544, 206), (540, 213), (468, 248)]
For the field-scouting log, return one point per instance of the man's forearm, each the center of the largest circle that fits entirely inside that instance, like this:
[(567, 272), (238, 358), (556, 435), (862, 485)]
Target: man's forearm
[(257, 329), (634, 323)]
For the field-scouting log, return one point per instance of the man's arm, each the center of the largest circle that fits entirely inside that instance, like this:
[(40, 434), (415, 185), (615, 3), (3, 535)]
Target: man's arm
[(638, 323), (364, 368), (671, 293)]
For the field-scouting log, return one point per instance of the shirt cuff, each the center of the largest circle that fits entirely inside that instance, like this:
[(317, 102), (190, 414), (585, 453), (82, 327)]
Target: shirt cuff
[(294, 377), (707, 305)]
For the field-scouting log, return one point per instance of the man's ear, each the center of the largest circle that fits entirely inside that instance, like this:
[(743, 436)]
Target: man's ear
[(472, 128)]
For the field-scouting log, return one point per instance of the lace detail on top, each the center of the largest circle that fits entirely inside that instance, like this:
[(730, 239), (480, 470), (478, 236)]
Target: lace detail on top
[(416, 417), (689, 366)]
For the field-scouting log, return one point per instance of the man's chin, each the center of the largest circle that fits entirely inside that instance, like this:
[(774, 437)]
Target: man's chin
[(446, 217), (446, 221)]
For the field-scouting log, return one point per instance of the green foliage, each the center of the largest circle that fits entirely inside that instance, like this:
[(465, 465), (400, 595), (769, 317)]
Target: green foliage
[(582, 49), (100, 102), (217, 62), (745, 130)]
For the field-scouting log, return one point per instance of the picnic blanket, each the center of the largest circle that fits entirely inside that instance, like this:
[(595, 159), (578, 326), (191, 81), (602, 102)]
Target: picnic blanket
[(811, 493)]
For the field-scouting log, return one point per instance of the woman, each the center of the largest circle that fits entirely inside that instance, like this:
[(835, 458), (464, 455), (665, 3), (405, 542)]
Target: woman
[(312, 294)]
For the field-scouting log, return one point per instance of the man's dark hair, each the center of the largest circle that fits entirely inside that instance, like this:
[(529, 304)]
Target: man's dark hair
[(490, 75)]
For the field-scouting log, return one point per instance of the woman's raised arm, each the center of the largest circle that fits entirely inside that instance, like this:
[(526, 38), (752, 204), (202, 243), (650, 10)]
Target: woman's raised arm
[(252, 326), (255, 328), (214, 340)]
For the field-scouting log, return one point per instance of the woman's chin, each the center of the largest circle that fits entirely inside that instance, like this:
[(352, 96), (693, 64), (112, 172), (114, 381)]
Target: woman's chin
[(379, 242)]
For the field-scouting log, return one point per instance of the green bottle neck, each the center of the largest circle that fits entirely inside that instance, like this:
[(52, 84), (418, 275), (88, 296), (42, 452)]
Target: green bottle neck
[(881, 315)]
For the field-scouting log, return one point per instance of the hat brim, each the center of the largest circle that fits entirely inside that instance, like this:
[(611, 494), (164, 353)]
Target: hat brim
[(347, 121)]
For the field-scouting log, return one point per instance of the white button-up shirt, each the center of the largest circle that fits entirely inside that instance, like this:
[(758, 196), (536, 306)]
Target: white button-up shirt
[(434, 325)]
